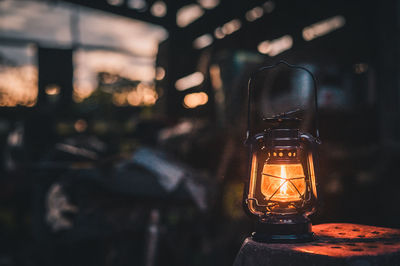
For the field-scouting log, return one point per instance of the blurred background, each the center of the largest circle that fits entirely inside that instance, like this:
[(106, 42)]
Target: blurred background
[(122, 122)]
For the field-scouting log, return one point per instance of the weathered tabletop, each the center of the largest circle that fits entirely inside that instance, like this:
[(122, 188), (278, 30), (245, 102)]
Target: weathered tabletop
[(336, 244)]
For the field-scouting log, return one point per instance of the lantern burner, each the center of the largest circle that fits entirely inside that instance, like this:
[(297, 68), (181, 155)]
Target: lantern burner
[(283, 228)]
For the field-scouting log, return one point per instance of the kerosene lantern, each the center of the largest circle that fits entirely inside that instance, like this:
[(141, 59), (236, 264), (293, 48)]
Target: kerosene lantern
[(280, 191)]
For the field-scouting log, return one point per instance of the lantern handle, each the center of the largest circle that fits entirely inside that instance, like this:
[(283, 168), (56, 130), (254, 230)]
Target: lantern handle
[(249, 89)]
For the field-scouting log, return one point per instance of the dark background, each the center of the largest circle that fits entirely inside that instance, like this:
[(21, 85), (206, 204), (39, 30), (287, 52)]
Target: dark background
[(115, 211)]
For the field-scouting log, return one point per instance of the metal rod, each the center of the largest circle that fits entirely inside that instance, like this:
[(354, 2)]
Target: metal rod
[(152, 237)]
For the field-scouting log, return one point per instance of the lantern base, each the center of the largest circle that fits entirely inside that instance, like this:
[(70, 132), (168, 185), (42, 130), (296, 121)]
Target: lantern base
[(283, 230)]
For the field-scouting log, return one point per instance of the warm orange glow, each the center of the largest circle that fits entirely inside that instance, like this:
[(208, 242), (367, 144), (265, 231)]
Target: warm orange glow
[(194, 100), (52, 89), (208, 4), (159, 9), (227, 29), (231, 26), (216, 81), (80, 125), (188, 14), (18, 85), (83, 90), (215, 75), (343, 240), (283, 183), (203, 41), (160, 73), (90, 63), (119, 99), (143, 95), (276, 46), (323, 27), (218, 33), (254, 13)]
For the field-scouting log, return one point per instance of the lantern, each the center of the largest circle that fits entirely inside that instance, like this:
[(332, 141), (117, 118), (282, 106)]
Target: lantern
[(281, 189)]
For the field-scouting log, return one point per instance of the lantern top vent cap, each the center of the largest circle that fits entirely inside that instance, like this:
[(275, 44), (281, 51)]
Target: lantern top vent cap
[(284, 120)]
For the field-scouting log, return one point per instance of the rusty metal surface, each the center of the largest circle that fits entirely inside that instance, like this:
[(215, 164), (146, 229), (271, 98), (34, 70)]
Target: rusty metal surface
[(336, 244)]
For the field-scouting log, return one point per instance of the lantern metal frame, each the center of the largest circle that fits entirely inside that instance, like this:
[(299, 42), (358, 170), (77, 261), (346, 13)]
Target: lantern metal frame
[(282, 143)]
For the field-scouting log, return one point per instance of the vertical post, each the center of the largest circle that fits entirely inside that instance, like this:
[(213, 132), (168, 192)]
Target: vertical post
[(152, 237)]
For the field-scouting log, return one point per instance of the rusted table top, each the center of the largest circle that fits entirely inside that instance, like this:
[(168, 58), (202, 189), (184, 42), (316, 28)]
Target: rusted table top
[(336, 244)]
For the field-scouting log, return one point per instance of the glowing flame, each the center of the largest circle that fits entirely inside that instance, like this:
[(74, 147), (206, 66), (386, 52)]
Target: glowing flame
[(283, 182), (283, 189)]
